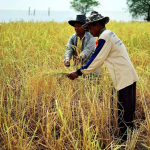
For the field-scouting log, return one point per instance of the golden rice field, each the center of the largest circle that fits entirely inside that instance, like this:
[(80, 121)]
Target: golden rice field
[(41, 109)]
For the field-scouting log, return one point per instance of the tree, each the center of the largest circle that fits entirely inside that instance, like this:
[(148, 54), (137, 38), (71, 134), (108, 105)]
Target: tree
[(139, 8), (84, 6)]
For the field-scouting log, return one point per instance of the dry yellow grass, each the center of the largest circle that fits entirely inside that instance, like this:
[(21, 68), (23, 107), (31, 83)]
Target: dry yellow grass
[(42, 109)]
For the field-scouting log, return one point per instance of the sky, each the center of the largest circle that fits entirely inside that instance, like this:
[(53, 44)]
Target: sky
[(106, 5)]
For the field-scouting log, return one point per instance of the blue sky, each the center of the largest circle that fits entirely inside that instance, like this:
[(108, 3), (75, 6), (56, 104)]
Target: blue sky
[(106, 5)]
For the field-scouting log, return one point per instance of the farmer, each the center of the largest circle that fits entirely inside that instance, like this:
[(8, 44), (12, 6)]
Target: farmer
[(81, 45), (113, 53)]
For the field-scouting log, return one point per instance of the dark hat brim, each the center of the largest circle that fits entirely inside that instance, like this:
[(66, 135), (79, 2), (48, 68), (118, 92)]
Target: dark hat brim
[(72, 22), (105, 20)]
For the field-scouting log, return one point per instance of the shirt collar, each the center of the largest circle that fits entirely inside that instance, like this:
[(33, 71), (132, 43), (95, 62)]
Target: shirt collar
[(102, 30), (85, 35)]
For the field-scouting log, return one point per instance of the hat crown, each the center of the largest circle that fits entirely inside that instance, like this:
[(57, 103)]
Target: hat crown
[(94, 17), (81, 18)]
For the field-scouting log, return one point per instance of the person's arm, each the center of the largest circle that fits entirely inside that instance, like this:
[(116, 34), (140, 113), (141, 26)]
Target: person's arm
[(98, 57), (69, 51), (70, 48), (96, 60)]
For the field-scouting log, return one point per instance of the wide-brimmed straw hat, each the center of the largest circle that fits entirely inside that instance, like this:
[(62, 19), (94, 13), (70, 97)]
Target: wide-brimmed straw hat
[(96, 18), (79, 18)]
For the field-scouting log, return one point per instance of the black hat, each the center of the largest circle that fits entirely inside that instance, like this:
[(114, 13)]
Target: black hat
[(79, 18)]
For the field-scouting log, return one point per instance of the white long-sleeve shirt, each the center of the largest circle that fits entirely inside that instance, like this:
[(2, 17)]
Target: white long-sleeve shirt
[(112, 52)]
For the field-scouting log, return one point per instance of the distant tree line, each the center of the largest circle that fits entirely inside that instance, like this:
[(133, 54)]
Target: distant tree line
[(139, 8)]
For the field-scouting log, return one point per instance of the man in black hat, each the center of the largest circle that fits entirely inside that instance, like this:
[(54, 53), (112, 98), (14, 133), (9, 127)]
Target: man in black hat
[(113, 53), (81, 45)]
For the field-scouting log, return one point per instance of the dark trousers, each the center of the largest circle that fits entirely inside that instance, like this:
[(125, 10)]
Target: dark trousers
[(126, 108)]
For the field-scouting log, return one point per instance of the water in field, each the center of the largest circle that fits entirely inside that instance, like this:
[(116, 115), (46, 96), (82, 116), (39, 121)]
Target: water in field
[(58, 16)]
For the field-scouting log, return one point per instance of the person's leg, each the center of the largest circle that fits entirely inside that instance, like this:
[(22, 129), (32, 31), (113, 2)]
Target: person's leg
[(126, 108)]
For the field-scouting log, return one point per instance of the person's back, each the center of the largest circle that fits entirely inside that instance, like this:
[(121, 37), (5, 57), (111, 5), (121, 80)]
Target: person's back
[(117, 60)]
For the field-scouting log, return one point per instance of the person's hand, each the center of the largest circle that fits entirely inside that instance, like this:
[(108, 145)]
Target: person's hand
[(78, 59), (67, 63), (73, 75)]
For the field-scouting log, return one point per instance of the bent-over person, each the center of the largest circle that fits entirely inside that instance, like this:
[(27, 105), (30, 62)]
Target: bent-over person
[(113, 53)]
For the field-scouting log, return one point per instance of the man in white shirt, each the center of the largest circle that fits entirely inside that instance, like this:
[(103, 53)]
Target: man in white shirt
[(113, 53)]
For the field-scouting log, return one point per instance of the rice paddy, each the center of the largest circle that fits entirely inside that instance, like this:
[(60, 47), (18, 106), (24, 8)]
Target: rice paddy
[(40, 108)]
